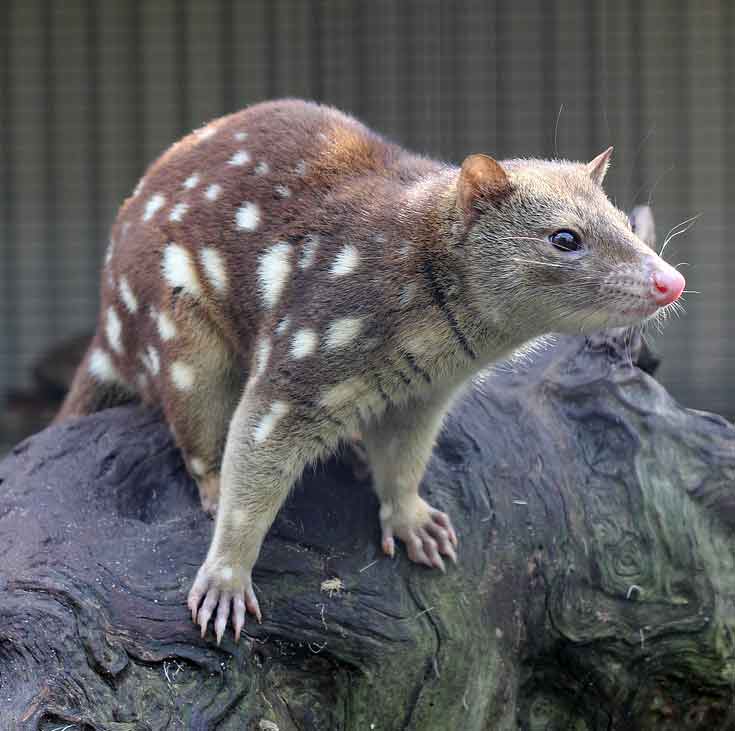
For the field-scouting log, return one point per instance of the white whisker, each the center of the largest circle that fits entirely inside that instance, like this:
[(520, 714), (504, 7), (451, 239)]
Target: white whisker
[(688, 223)]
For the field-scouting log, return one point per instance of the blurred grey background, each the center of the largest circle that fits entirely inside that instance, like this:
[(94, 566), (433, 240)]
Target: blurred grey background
[(91, 92)]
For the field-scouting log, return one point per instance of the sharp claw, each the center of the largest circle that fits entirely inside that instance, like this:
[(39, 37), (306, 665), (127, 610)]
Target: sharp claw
[(223, 612), (205, 613), (238, 614), (251, 602), (450, 552)]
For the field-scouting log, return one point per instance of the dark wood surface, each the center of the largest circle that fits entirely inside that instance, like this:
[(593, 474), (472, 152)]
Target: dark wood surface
[(595, 586)]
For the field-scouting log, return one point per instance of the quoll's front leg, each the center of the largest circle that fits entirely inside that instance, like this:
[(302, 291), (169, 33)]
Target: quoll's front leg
[(266, 452), (399, 448)]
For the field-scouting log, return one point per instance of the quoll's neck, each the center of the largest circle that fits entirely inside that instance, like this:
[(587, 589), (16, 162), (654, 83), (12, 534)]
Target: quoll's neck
[(424, 254)]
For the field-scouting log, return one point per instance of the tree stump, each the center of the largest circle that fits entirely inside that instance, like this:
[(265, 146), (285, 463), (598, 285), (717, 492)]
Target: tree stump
[(595, 587)]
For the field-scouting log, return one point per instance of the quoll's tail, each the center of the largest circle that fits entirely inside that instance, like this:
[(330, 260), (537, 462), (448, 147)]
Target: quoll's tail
[(96, 386)]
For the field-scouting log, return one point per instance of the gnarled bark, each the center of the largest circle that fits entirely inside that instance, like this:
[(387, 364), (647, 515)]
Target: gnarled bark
[(595, 587)]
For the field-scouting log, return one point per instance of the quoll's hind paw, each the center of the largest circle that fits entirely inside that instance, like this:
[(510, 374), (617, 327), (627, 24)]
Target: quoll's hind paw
[(228, 594), (428, 533)]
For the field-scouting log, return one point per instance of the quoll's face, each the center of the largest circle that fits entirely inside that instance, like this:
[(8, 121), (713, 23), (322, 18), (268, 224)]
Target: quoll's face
[(570, 260)]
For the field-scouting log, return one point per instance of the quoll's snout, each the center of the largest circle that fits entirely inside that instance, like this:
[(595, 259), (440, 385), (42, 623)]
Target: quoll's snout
[(667, 284)]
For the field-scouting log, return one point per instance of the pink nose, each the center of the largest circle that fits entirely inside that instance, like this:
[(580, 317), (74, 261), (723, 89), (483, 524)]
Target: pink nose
[(667, 284)]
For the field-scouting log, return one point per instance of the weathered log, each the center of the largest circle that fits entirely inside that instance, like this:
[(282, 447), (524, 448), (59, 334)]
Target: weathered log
[(595, 587)]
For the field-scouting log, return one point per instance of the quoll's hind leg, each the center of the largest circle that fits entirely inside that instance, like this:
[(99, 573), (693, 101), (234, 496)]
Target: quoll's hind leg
[(269, 443), (399, 448), (201, 381), (97, 384)]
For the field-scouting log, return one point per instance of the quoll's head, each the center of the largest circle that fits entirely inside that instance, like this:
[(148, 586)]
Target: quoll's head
[(544, 245)]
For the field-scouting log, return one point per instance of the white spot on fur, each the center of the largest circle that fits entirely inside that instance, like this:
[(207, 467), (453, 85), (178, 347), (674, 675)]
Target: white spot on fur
[(197, 466), (204, 133), (342, 332), (300, 168), (113, 330), (128, 298), (178, 269), (304, 343), (248, 216), (178, 211), (166, 327), (345, 262), (182, 375), (407, 293), (273, 270), (262, 168), (139, 188), (151, 360), (241, 157), (268, 423), (262, 355), (282, 191), (191, 182), (213, 192), (100, 366), (240, 136), (283, 326), (110, 251), (308, 251), (214, 268), (155, 202)]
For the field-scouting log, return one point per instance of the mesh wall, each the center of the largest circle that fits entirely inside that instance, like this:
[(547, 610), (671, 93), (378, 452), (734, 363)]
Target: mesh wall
[(91, 91)]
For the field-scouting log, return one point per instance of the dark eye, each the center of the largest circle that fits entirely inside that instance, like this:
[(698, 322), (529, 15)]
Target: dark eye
[(566, 240)]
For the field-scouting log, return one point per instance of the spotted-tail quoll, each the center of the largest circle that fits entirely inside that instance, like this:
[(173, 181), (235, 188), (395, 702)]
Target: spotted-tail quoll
[(285, 278)]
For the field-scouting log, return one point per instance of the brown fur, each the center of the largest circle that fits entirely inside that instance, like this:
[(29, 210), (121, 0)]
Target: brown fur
[(452, 270)]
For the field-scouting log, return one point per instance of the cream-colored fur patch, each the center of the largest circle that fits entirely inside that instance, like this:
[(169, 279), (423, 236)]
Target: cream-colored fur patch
[(342, 332), (214, 267), (274, 268), (268, 423), (113, 330), (304, 343), (346, 261), (182, 375), (100, 366), (129, 299), (179, 271)]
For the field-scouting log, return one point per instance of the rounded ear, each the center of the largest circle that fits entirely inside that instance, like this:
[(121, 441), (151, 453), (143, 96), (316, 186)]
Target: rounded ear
[(597, 168), (481, 178)]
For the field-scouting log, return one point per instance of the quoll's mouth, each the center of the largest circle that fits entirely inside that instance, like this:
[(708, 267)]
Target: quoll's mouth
[(648, 288)]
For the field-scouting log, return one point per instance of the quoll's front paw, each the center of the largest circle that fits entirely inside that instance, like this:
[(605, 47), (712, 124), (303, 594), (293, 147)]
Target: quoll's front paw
[(427, 532), (229, 591)]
